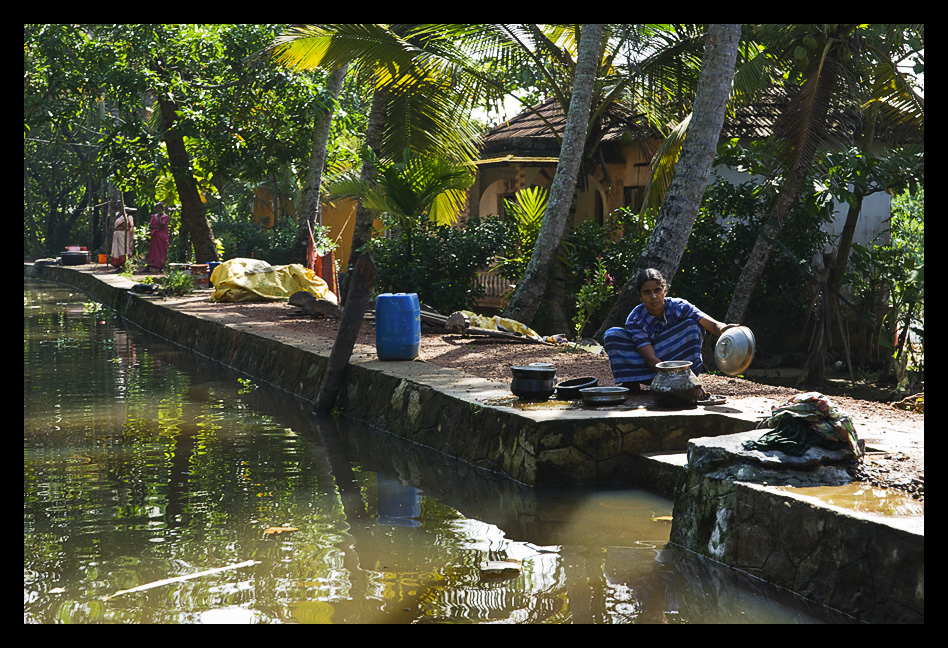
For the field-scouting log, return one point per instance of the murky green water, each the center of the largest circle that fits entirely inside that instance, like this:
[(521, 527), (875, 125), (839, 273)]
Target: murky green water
[(143, 463)]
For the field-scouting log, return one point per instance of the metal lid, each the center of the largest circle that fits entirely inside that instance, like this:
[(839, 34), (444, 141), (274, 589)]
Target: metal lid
[(734, 350)]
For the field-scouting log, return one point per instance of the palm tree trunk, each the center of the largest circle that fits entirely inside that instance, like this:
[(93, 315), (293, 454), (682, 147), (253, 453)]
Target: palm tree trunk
[(361, 275), (362, 231), (668, 239), (526, 298), (769, 231), (349, 326), (309, 214), (816, 100)]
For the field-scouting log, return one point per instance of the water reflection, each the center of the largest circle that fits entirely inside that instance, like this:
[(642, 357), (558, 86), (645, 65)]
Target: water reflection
[(143, 463)]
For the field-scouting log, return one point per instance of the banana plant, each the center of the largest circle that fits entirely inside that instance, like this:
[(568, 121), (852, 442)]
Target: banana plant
[(526, 215)]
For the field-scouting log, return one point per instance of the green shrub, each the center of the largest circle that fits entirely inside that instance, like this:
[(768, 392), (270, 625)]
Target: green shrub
[(724, 234), (441, 263), (177, 283)]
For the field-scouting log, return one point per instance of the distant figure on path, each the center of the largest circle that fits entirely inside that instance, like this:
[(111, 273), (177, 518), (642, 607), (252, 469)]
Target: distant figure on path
[(158, 248), (123, 239)]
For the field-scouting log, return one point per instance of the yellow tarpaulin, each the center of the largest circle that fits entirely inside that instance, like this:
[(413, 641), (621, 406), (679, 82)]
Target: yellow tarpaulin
[(245, 280)]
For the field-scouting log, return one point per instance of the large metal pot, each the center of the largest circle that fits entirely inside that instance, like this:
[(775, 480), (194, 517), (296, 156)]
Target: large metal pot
[(675, 385), (533, 382)]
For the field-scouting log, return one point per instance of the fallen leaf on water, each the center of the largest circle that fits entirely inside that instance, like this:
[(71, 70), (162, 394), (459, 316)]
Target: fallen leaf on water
[(275, 530), (662, 518)]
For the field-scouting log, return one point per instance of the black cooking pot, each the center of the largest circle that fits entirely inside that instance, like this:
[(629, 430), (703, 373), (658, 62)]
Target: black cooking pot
[(70, 257), (533, 382), (569, 389)]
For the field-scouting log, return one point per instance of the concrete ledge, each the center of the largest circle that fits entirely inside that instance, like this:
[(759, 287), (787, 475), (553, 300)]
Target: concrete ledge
[(726, 458)]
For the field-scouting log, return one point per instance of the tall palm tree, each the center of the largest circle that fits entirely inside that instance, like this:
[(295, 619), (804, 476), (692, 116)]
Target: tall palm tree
[(831, 56), (550, 51), (421, 98), (414, 96), (668, 239), (530, 289)]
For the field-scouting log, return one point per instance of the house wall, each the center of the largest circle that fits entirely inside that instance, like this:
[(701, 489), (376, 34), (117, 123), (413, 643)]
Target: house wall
[(601, 197), (628, 183), (873, 224)]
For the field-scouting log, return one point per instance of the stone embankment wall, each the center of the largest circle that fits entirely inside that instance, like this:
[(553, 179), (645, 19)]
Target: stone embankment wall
[(869, 566)]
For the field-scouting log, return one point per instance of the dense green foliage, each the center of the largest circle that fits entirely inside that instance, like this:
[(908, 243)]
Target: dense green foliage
[(91, 119), (894, 273), (619, 242), (441, 263), (723, 234)]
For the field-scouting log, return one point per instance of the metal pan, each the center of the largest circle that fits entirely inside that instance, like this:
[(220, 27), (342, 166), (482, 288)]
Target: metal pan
[(569, 389), (598, 396), (734, 350)]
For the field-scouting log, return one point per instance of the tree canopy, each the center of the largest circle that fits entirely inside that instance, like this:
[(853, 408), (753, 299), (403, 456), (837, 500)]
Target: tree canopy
[(203, 115)]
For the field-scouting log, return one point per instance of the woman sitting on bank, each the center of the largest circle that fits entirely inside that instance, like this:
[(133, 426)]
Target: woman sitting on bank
[(659, 329)]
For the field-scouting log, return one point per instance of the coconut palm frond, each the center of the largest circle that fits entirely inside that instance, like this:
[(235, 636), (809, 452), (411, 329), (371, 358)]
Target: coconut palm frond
[(895, 96), (663, 166), (414, 188), (753, 76), (370, 47), (802, 128)]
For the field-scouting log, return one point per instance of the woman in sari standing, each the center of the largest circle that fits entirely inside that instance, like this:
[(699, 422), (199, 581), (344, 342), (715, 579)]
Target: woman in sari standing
[(158, 248), (659, 329), (123, 239)]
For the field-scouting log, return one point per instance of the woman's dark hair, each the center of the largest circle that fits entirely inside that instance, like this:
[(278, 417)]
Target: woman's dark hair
[(649, 274)]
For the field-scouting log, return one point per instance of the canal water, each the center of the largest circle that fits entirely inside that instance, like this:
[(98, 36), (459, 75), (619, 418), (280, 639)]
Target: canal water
[(144, 464)]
